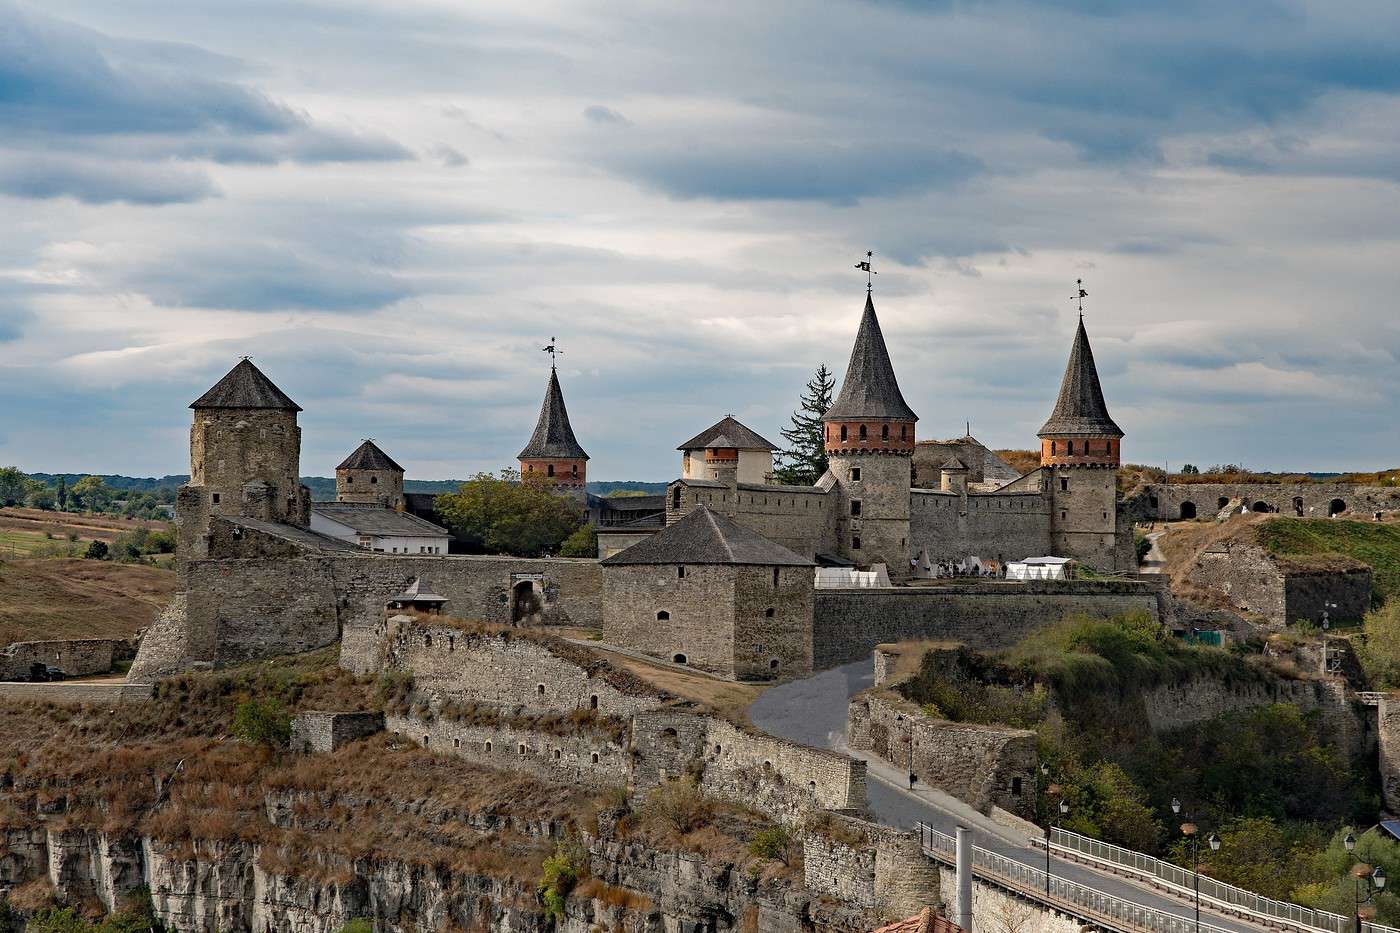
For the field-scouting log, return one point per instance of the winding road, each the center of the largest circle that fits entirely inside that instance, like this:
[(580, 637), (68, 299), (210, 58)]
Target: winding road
[(813, 712)]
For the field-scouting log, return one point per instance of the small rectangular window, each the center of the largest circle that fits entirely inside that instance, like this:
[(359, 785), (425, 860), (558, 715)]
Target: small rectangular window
[(775, 583), (1064, 484), (855, 474), (680, 572), (843, 432), (216, 498), (855, 508), (350, 480), (855, 544)]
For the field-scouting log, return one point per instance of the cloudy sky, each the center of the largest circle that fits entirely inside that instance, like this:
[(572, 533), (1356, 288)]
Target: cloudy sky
[(391, 207)]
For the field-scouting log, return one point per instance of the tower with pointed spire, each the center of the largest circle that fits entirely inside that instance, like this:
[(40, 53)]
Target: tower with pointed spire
[(369, 475), (245, 458), (554, 454), (1079, 451), (869, 437)]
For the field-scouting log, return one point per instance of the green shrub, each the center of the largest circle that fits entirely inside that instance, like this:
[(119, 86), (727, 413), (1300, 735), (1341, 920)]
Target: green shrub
[(558, 875), (358, 925), (775, 842), (678, 805), (582, 543), (96, 550), (262, 722)]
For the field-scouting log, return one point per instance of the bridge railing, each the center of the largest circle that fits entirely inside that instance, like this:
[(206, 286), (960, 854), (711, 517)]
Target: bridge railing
[(1063, 894), (1217, 893)]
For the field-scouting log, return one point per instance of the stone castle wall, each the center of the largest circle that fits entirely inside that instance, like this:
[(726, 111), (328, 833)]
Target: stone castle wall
[(76, 657), (1177, 705), (883, 525), (985, 766), (1164, 501), (847, 624), (1003, 527), (325, 731), (798, 518), (872, 867)]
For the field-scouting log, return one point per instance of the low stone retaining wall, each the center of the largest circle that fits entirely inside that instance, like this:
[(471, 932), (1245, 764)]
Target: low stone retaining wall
[(76, 657)]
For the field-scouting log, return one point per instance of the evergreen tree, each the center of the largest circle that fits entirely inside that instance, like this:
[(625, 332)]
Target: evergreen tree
[(804, 461), (61, 494)]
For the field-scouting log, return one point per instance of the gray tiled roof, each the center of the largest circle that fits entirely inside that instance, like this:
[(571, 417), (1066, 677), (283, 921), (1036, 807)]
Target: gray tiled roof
[(370, 519), (304, 537), (728, 432), (869, 388), (1080, 409), (554, 437), (953, 463), (418, 592), (368, 456), (245, 386), (706, 537)]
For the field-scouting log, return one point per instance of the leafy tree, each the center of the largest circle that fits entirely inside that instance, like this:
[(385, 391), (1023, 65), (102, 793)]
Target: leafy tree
[(1379, 653), (42, 498), (96, 550), (1190, 469), (262, 722), (804, 461), (14, 486), (507, 515), (558, 875), (92, 492), (582, 543), (1258, 854)]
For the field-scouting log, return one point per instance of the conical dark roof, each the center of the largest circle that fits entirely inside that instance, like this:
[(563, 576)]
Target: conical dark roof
[(869, 389), (368, 456), (728, 433), (554, 437), (706, 537), (245, 386), (1080, 409)]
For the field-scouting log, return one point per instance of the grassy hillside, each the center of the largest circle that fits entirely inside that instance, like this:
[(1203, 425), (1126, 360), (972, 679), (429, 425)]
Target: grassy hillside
[(1376, 543), (71, 598), (24, 531)]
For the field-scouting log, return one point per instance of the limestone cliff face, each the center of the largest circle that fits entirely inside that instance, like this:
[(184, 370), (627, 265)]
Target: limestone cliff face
[(232, 887)]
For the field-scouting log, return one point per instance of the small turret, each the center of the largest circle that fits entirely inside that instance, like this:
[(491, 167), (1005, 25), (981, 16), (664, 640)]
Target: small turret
[(953, 476), (728, 451), (369, 475), (554, 454)]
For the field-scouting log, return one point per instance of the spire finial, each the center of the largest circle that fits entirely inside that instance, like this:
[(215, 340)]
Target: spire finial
[(870, 273), (246, 359), (1080, 296), (553, 351)]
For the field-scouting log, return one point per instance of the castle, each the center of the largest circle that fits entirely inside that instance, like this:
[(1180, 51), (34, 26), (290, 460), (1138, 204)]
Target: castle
[(718, 574)]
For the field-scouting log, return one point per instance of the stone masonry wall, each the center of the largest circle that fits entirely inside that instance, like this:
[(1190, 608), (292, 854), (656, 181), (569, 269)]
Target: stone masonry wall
[(510, 669), (781, 779), (848, 624), (985, 766), (777, 645), (1278, 591), (1177, 705), (875, 868), (1164, 501), (689, 619), (1004, 526), (321, 731), (76, 657), (798, 518)]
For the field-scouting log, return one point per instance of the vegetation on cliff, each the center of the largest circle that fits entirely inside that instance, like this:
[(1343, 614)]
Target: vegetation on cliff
[(1374, 543)]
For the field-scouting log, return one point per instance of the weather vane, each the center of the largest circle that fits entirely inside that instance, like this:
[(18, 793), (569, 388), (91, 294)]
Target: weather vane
[(869, 272), (553, 351), (1082, 294)]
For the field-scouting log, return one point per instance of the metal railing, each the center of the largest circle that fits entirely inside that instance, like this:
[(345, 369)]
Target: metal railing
[(1102, 909), (1216, 893)]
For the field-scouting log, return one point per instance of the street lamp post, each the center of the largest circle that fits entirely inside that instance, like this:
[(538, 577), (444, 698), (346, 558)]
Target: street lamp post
[(1050, 824), (1188, 829), (1368, 881)]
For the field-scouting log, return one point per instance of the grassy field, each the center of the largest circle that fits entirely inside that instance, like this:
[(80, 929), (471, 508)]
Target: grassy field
[(1375, 543), (25, 531), (71, 598)]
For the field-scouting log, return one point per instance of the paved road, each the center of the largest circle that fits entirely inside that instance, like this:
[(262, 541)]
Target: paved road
[(813, 712)]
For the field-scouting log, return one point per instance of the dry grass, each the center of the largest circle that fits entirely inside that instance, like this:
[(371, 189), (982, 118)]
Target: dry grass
[(73, 598), (726, 698), (1183, 543)]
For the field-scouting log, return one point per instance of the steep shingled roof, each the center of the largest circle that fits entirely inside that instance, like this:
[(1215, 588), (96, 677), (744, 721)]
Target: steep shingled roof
[(1080, 409), (706, 537), (869, 388), (368, 456), (728, 433), (554, 437), (245, 386)]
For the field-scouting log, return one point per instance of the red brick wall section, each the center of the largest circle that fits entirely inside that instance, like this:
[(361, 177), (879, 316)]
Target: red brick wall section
[(1071, 451), (900, 439), (566, 472)]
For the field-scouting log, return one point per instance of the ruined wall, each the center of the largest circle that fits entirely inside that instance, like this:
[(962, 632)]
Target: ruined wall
[(1165, 502), (323, 731), (510, 668), (849, 623), (780, 779), (985, 766), (76, 657), (1196, 700), (1283, 591), (872, 867)]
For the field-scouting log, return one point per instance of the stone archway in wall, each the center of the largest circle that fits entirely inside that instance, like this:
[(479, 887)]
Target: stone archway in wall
[(526, 603), (1262, 506), (1298, 506), (1221, 503), (1188, 510), (1336, 507)]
